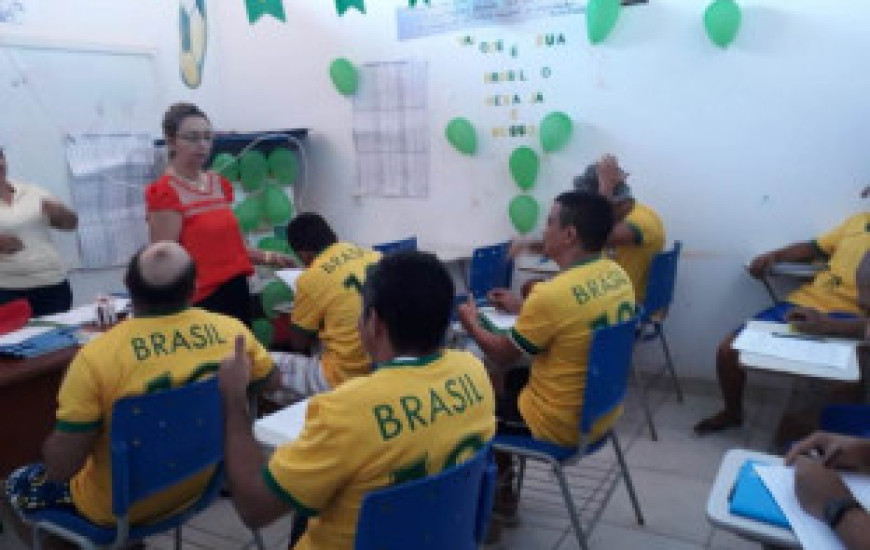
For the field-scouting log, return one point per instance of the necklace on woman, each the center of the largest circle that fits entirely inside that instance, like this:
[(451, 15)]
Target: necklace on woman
[(200, 183)]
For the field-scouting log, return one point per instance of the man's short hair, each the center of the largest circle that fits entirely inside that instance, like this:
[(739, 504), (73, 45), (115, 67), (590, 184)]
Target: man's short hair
[(173, 294), (590, 214), (588, 183), (309, 232), (412, 293)]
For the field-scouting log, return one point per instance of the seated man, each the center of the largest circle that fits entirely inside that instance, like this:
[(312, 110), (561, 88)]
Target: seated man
[(326, 306), (820, 489), (555, 327), (166, 344), (833, 291), (638, 234), (422, 409)]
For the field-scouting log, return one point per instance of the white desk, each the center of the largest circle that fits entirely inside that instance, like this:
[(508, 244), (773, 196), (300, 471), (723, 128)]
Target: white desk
[(717, 503)]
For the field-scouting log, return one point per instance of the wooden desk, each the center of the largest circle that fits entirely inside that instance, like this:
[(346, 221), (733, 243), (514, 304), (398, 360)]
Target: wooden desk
[(28, 402)]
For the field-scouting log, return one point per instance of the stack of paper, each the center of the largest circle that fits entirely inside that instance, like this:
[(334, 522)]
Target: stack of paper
[(811, 532), (290, 276), (495, 320), (776, 340), (281, 427)]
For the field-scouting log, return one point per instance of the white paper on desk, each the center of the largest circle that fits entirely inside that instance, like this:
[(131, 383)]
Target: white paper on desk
[(811, 532), (290, 276), (75, 317), (18, 336), (757, 337), (499, 319), (282, 426)]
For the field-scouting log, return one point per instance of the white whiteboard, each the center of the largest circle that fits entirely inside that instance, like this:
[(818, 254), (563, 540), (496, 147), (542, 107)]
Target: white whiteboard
[(49, 90)]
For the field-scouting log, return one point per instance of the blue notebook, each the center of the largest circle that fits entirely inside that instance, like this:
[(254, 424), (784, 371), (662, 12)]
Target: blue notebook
[(751, 499)]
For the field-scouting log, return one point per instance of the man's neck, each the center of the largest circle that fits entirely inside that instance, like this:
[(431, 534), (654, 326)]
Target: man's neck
[(573, 256)]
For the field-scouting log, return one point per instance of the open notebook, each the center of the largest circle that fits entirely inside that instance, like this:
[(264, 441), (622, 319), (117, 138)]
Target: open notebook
[(281, 427)]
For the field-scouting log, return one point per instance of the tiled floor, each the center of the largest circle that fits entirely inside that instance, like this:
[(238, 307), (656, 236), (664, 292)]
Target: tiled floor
[(672, 477)]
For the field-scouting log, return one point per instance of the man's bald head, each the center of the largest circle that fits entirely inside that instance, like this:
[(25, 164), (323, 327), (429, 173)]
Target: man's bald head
[(161, 276)]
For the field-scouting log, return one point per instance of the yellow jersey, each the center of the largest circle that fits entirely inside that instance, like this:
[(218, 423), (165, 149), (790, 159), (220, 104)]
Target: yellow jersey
[(649, 239), (836, 288), (410, 418), (328, 303), (138, 356), (555, 327)]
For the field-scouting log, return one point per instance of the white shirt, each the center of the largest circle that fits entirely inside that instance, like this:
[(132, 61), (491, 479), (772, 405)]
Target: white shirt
[(38, 263)]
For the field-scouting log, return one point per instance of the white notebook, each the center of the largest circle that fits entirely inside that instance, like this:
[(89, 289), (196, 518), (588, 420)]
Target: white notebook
[(777, 340), (281, 427)]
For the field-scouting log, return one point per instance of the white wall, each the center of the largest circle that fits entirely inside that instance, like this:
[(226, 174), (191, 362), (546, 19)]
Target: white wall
[(740, 150)]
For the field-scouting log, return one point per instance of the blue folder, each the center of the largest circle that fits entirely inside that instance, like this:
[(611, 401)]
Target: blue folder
[(53, 340), (751, 499)]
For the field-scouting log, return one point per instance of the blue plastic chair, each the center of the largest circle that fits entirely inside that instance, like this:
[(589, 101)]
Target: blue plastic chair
[(659, 295), (851, 420), (156, 440), (606, 381), (402, 245), (447, 510), (490, 268)]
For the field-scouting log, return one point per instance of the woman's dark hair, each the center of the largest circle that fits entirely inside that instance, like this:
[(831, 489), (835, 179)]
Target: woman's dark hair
[(177, 113)]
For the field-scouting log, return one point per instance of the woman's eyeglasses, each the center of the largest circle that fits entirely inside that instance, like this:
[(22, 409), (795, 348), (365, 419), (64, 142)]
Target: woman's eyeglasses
[(193, 137)]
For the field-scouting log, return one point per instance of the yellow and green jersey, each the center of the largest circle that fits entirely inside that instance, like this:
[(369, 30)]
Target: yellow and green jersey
[(836, 288), (649, 239), (138, 356), (555, 327), (410, 418), (328, 303)]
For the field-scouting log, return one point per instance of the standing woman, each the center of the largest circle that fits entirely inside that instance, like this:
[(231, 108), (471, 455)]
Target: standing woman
[(194, 208), (30, 266)]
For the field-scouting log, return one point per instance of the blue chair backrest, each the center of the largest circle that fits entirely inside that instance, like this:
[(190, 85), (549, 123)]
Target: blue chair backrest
[(159, 439), (403, 245), (846, 419), (608, 370), (662, 279), (447, 510), (490, 268)]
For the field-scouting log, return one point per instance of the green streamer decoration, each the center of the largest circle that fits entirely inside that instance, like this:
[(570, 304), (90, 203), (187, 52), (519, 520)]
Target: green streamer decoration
[(283, 166), (226, 165), (258, 8), (556, 130), (253, 170), (276, 207), (341, 6), (248, 214), (524, 166)]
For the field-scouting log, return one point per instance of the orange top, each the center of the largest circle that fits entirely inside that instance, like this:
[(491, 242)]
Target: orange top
[(209, 230)]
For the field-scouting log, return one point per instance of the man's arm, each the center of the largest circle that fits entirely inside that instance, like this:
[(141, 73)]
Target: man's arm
[(244, 458), (812, 321), (497, 347), (64, 453), (59, 216), (798, 252), (301, 340)]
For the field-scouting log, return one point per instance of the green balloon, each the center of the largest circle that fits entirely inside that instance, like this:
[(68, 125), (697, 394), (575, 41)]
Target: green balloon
[(273, 294), (226, 165), (523, 211), (283, 166), (277, 208), (722, 21), (524, 167), (344, 76), (556, 130), (274, 244), (264, 331), (253, 170), (601, 17), (248, 214), (461, 135)]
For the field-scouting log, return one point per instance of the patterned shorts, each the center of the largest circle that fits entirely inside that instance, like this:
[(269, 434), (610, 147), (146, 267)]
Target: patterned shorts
[(28, 491)]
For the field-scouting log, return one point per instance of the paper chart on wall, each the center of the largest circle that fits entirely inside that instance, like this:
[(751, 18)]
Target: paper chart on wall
[(443, 17), (13, 11), (391, 130)]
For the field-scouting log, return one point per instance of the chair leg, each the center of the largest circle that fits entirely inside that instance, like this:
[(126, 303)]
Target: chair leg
[(178, 538), (644, 404), (258, 540), (37, 537), (625, 476), (520, 475), (669, 363), (572, 510)]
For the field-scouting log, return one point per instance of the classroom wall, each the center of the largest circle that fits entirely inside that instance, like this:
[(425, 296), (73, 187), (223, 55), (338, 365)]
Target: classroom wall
[(740, 150), (105, 25)]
